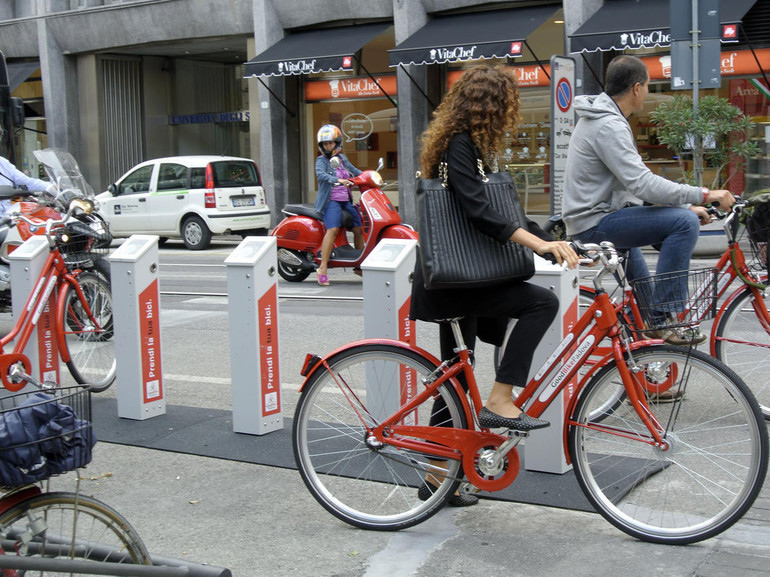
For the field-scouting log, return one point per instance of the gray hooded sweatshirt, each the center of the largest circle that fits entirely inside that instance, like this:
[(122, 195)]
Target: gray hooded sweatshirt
[(605, 172)]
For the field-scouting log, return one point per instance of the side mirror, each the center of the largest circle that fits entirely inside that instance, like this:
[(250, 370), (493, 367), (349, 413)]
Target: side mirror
[(112, 189)]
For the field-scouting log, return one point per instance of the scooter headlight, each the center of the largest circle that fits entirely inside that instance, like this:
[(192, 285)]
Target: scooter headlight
[(377, 179)]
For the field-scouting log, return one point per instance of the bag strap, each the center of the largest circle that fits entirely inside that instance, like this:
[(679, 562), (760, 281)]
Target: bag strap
[(443, 171)]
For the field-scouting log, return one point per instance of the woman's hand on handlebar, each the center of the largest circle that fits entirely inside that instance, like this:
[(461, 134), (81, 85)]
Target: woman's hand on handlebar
[(560, 251)]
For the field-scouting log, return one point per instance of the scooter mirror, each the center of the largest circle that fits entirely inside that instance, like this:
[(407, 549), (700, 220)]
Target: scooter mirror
[(380, 164), (335, 162)]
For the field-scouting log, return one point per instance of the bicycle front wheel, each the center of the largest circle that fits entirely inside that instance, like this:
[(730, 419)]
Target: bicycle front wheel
[(64, 525), (90, 346), (743, 344), (713, 463), (368, 484)]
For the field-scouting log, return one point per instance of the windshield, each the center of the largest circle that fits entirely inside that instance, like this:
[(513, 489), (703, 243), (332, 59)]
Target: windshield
[(64, 171)]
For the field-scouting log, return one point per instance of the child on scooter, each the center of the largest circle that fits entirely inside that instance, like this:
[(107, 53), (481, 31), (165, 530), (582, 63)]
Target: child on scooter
[(334, 195)]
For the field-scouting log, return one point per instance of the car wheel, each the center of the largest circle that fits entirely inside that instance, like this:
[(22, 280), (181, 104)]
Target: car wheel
[(195, 234)]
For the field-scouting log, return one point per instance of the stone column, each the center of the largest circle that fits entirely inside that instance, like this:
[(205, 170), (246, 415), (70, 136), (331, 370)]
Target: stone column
[(60, 86), (413, 109)]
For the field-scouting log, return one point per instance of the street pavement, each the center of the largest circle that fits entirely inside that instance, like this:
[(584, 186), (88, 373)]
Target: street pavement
[(261, 521)]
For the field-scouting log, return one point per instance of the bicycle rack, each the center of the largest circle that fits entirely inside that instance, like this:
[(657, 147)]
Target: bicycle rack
[(115, 563)]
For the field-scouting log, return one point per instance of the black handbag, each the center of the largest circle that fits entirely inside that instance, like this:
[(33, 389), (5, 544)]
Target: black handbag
[(454, 253)]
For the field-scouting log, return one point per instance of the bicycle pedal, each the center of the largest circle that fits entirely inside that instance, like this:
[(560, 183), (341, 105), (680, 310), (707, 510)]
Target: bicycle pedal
[(518, 434)]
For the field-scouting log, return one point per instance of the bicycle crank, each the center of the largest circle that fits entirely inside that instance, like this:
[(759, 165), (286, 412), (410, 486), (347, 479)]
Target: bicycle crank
[(487, 467)]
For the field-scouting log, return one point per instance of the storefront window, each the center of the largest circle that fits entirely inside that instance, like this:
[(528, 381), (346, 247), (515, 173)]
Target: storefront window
[(369, 126)]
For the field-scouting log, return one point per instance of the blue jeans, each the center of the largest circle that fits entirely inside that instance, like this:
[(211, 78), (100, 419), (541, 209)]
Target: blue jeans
[(675, 229)]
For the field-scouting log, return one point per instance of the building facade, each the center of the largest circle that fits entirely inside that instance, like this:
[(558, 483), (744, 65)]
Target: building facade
[(118, 82)]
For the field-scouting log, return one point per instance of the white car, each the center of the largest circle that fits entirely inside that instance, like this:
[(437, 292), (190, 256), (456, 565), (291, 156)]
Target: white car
[(191, 197)]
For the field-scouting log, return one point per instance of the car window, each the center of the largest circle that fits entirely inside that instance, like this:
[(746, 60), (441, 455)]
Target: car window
[(172, 176), (198, 177), (229, 173), (137, 181)]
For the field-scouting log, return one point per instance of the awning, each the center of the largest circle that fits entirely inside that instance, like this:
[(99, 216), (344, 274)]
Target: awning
[(322, 50), (621, 24), (458, 37)]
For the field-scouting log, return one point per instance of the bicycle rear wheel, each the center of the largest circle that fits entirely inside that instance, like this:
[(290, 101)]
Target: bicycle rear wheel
[(91, 348), (70, 526), (743, 344), (716, 459), (371, 485)]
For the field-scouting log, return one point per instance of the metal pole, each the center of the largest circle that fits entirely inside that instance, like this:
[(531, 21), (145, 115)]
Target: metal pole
[(697, 145)]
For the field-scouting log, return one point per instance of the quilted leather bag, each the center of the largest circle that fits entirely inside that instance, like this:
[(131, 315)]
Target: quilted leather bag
[(454, 253)]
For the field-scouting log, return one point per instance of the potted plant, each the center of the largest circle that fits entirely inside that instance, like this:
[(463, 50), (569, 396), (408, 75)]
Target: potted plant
[(714, 135)]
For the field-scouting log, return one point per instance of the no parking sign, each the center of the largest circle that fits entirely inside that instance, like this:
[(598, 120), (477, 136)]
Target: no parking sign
[(562, 123)]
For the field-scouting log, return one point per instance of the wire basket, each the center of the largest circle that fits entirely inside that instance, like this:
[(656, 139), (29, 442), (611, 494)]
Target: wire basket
[(43, 434), (676, 299), (758, 231), (81, 243)]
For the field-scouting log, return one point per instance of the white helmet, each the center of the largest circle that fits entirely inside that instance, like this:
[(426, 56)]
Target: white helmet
[(329, 133)]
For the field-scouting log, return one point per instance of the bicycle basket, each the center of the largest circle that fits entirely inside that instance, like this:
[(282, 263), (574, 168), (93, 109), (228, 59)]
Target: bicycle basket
[(677, 299), (83, 242), (44, 434), (758, 228)]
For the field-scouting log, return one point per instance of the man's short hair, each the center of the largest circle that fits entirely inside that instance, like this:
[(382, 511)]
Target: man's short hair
[(623, 72)]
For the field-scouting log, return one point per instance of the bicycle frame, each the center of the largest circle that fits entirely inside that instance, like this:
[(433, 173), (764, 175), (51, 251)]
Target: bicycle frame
[(53, 276), (599, 321)]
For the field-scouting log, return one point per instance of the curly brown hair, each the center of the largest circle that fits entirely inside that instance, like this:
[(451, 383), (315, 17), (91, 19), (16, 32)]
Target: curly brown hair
[(484, 102)]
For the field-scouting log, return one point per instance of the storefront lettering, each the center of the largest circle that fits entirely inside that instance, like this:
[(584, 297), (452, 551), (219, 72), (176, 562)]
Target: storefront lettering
[(728, 63), (296, 67), (458, 53), (209, 118), (639, 39)]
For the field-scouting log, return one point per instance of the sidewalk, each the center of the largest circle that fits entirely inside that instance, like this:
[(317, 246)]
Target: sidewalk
[(261, 521)]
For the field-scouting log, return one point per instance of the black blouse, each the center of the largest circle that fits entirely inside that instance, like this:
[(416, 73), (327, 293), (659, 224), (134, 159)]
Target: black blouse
[(465, 183)]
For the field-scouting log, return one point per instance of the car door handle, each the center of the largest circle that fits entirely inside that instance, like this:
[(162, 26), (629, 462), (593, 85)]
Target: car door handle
[(142, 200), (180, 196)]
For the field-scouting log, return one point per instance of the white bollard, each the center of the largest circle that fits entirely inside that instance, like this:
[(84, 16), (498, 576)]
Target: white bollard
[(253, 308), (387, 297), (544, 448), (26, 262), (136, 310)]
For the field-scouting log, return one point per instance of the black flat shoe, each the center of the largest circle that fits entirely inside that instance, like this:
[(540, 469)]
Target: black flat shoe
[(426, 490), (523, 422)]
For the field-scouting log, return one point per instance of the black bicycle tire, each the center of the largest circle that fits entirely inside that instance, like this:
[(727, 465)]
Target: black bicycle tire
[(612, 509), (312, 478), (75, 370)]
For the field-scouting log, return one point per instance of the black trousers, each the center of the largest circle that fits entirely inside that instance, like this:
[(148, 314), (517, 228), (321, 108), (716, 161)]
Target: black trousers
[(533, 306)]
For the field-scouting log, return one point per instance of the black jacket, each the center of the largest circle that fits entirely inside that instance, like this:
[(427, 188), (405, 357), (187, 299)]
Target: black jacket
[(465, 183)]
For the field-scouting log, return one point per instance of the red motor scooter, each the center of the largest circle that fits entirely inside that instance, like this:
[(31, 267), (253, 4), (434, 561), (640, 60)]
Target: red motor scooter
[(301, 233)]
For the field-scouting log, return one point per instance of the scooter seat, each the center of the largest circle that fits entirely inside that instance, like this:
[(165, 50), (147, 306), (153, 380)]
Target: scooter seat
[(309, 210), (303, 210)]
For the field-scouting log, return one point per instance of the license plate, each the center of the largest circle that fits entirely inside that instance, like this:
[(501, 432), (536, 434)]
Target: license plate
[(243, 201)]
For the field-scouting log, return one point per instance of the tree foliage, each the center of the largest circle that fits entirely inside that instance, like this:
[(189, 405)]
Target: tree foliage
[(715, 135)]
